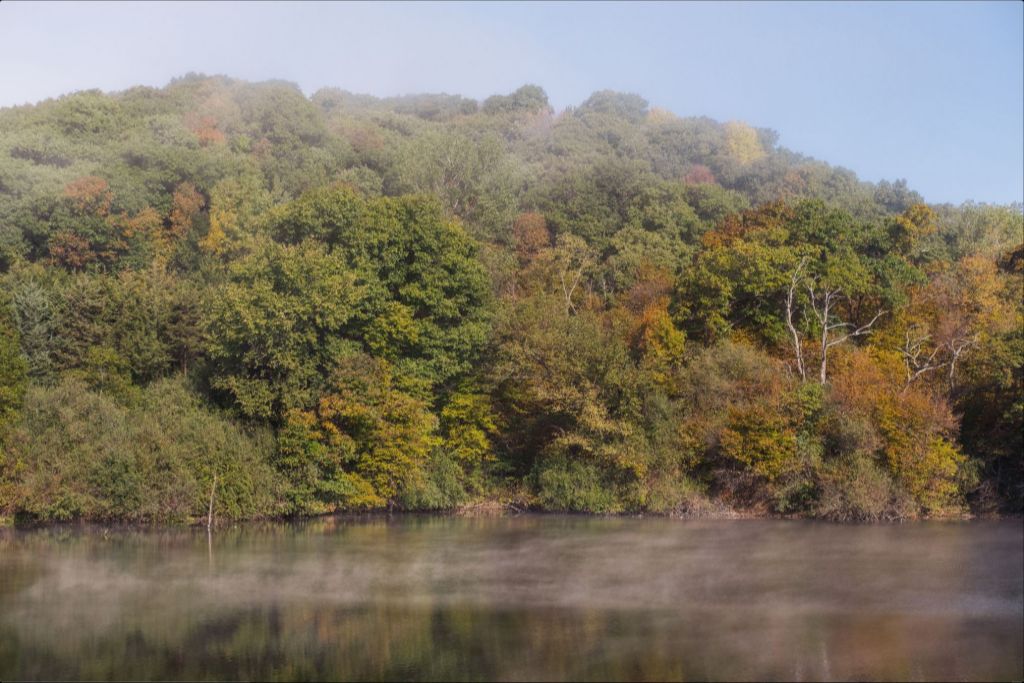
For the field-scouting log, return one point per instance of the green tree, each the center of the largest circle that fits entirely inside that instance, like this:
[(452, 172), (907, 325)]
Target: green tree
[(13, 367), (275, 328), (425, 295)]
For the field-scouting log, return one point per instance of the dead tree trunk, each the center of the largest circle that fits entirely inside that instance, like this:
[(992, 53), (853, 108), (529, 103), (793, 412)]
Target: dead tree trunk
[(209, 513), (957, 347), (798, 350), (914, 359), (822, 306)]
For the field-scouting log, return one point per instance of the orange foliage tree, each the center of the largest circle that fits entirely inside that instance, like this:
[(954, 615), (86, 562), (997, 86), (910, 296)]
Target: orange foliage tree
[(89, 195), (913, 428), (531, 235), (699, 174), (186, 205)]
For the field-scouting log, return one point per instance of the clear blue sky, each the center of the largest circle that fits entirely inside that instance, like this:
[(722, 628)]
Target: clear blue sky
[(930, 92)]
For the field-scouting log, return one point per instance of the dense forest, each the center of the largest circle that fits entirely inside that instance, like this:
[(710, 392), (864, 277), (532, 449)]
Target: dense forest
[(303, 305)]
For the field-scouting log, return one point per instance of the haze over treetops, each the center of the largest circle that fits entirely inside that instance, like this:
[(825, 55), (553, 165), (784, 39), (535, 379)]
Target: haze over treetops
[(928, 91)]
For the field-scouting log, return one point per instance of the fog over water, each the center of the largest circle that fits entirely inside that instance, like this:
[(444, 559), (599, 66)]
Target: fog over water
[(536, 597)]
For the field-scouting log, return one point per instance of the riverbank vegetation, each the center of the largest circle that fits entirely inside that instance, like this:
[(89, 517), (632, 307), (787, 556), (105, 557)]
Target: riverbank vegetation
[(310, 305)]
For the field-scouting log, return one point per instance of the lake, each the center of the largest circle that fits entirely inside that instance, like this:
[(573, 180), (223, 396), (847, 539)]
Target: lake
[(547, 597)]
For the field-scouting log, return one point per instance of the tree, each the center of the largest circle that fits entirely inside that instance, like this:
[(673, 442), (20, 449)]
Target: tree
[(834, 332), (742, 142), (88, 231), (83, 455), (531, 235), (528, 98), (89, 195), (426, 295), (276, 327), (580, 427), (916, 356), (738, 276), (13, 367), (472, 177), (960, 307), (186, 204), (699, 174), (910, 430), (235, 203), (35, 313), (371, 441), (628, 106), (572, 259), (468, 425)]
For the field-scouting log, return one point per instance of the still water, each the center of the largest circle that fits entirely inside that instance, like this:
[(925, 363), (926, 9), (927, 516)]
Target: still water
[(528, 597)]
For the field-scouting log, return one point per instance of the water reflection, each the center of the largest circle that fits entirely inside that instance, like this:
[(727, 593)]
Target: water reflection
[(533, 597)]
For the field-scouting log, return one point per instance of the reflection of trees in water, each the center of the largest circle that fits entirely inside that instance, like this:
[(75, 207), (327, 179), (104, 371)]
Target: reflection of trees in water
[(534, 597), (307, 642), (310, 642)]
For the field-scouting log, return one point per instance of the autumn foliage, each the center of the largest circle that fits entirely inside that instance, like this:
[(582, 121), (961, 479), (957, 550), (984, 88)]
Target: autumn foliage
[(343, 302)]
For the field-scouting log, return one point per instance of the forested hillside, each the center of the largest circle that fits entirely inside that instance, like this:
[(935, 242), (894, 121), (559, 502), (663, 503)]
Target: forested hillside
[(342, 302)]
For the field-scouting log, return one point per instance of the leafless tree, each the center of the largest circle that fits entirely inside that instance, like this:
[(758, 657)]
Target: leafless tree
[(914, 358), (790, 297), (822, 305), (957, 346), (209, 514), (573, 262), (570, 281)]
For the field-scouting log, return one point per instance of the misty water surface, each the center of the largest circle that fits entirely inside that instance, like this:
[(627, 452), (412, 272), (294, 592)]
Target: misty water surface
[(530, 597)]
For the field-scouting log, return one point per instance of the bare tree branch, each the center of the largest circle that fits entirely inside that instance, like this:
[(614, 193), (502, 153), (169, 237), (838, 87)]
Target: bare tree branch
[(912, 351), (797, 345), (860, 331), (822, 305), (957, 347)]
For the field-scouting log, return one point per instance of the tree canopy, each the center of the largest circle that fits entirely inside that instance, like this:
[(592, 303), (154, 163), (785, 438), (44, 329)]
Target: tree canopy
[(346, 302)]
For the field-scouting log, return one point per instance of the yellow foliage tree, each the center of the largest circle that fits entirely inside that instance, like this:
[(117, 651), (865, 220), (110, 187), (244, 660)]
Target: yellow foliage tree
[(234, 205), (742, 142), (760, 438), (914, 427), (657, 116), (921, 458)]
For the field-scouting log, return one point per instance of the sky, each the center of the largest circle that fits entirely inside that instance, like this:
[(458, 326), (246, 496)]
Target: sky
[(929, 92)]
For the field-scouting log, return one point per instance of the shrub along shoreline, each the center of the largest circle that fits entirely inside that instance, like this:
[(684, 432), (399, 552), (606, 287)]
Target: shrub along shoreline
[(489, 508)]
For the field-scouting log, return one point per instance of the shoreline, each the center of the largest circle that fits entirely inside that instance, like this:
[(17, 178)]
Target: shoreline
[(490, 509)]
